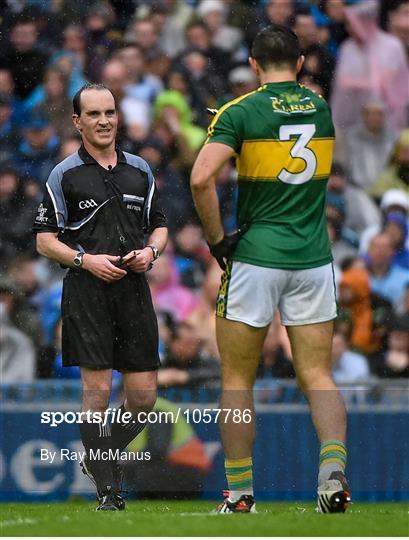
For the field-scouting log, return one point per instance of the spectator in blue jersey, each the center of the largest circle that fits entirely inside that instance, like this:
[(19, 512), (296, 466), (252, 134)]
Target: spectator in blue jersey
[(394, 200), (191, 254), (73, 56), (396, 226), (386, 278), (334, 15), (141, 85), (347, 366), (7, 88), (53, 101), (361, 212), (66, 66), (344, 241), (8, 135), (38, 149)]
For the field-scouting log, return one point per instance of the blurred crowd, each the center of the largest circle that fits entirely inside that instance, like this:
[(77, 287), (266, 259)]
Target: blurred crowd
[(166, 61)]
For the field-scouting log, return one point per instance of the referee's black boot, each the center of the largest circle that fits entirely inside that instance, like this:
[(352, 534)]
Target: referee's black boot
[(84, 464), (118, 473), (110, 501)]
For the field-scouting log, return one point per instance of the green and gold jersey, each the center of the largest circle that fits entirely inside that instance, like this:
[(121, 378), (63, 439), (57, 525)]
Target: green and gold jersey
[(283, 137)]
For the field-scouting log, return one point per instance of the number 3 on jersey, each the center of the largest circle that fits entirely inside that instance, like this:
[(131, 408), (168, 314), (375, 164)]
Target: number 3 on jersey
[(305, 133)]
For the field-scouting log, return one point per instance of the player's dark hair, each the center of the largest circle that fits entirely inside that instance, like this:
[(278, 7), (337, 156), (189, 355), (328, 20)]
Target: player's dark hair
[(276, 45), (76, 100)]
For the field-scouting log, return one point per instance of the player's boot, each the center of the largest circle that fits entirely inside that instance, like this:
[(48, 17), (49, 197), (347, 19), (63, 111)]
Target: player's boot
[(334, 494), (110, 500), (244, 505)]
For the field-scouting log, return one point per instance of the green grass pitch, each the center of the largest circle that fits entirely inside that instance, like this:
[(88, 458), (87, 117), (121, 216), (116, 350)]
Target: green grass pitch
[(192, 518)]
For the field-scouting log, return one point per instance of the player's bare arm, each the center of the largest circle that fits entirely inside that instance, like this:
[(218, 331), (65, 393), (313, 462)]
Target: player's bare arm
[(209, 161), (102, 266)]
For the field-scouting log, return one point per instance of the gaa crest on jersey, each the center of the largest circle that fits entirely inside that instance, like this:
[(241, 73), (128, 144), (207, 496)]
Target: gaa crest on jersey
[(89, 203)]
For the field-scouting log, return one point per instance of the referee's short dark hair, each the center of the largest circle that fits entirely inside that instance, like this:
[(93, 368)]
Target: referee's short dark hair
[(276, 45), (76, 100)]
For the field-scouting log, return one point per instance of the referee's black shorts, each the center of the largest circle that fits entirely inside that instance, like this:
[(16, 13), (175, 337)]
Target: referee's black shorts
[(108, 325)]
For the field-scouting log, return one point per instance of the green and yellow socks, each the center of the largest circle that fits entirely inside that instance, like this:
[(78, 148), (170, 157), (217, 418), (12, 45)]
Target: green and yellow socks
[(239, 474), (333, 457)]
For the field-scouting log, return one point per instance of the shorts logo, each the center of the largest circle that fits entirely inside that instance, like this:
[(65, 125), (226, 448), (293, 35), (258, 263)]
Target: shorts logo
[(89, 203), (221, 302)]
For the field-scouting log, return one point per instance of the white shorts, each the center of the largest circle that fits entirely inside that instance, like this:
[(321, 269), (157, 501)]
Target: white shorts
[(251, 294)]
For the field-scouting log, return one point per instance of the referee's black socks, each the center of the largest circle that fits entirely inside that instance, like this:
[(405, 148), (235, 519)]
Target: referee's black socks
[(123, 433), (96, 438)]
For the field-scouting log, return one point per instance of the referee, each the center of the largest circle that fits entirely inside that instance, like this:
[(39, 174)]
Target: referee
[(99, 205)]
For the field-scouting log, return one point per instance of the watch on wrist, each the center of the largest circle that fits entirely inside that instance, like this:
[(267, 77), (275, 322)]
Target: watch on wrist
[(78, 259), (155, 251)]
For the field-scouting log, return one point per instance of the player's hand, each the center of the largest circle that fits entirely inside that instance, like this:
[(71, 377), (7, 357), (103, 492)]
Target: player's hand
[(103, 267), (138, 260), (223, 250)]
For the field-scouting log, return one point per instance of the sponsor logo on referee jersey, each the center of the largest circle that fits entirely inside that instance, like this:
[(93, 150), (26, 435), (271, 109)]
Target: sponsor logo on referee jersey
[(133, 207), (41, 218), (133, 202), (133, 198), (89, 203)]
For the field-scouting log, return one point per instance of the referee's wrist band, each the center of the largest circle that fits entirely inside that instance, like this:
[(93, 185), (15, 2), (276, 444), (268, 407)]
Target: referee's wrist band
[(155, 251)]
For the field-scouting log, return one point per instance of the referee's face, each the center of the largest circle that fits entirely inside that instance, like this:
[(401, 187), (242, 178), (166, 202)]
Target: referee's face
[(98, 121)]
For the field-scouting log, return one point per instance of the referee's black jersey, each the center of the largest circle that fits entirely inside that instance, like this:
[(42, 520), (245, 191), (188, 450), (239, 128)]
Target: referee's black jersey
[(98, 210)]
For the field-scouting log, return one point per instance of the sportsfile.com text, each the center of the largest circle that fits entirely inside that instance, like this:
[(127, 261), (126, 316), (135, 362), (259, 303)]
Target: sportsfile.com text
[(112, 415)]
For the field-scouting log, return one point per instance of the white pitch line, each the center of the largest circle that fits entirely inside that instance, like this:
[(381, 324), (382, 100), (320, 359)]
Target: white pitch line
[(207, 514), (19, 521)]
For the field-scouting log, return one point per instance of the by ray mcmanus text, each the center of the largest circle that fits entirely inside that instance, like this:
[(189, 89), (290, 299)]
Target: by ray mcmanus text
[(66, 454)]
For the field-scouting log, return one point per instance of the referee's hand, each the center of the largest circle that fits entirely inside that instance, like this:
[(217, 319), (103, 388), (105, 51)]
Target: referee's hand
[(103, 267), (138, 260)]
